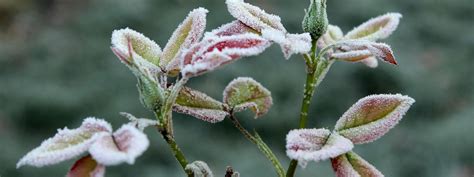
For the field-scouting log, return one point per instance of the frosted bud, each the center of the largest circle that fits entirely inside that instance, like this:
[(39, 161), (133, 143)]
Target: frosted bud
[(188, 33), (376, 28), (66, 144), (245, 93), (86, 167), (372, 116), (199, 169), (315, 21), (352, 165), (125, 145), (199, 105), (307, 145)]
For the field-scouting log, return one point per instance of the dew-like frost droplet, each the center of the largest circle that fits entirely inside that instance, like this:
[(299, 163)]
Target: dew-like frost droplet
[(352, 165), (66, 144), (246, 93), (372, 116), (307, 145)]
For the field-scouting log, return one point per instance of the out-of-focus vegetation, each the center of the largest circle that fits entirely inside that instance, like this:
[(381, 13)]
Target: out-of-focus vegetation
[(56, 68)]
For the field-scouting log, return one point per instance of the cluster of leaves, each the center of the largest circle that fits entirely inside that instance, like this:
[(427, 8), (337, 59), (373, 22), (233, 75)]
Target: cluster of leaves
[(190, 52)]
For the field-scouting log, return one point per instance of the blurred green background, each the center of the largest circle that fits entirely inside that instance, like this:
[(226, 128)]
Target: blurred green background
[(56, 68)]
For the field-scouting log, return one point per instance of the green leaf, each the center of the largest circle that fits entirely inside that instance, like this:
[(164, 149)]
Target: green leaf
[(199, 105), (373, 116), (244, 92), (376, 28), (140, 45), (352, 165)]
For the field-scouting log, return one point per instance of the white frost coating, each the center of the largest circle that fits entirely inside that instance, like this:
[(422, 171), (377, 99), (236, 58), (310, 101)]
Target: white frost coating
[(200, 169), (86, 167), (149, 49), (66, 144), (376, 28), (256, 97), (208, 115), (126, 144), (253, 16), (290, 43), (307, 145), (371, 62), (191, 29), (373, 116), (208, 55), (231, 28), (352, 165)]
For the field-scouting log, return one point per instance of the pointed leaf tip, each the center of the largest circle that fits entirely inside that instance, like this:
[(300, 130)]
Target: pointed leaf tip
[(125, 145), (188, 33), (376, 28), (86, 167), (358, 50), (352, 165), (199, 105), (66, 144), (315, 145), (373, 116), (244, 93)]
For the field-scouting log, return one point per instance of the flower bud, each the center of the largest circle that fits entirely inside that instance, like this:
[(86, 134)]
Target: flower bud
[(315, 21)]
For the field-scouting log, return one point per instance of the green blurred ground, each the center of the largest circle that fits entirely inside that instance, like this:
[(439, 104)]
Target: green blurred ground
[(56, 68)]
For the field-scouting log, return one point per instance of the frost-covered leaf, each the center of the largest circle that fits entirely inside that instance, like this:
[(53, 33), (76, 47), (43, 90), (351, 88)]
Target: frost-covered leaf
[(356, 50), (210, 54), (352, 165), (142, 46), (125, 145), (199, 169), (86, 167), (232, 28), (290, 43), (315, 145), (332, 35), (244, 93), (372, 116), (188, 33), (66, 144), (376, 28), (253, 16), (199, 105)]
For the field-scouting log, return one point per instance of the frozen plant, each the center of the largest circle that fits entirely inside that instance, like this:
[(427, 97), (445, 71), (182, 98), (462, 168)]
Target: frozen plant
[(191, 52)]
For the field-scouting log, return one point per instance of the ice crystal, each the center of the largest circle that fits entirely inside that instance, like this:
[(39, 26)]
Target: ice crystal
[(245, 93), (315, 145), (352, 165), (373, 116)]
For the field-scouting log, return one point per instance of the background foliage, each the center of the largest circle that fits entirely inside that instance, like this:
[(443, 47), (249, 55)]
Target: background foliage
[(56, 68)]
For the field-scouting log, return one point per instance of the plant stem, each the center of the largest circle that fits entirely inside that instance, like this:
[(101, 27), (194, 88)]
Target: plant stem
[(316, 72), (164, 115), (257, 140)]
